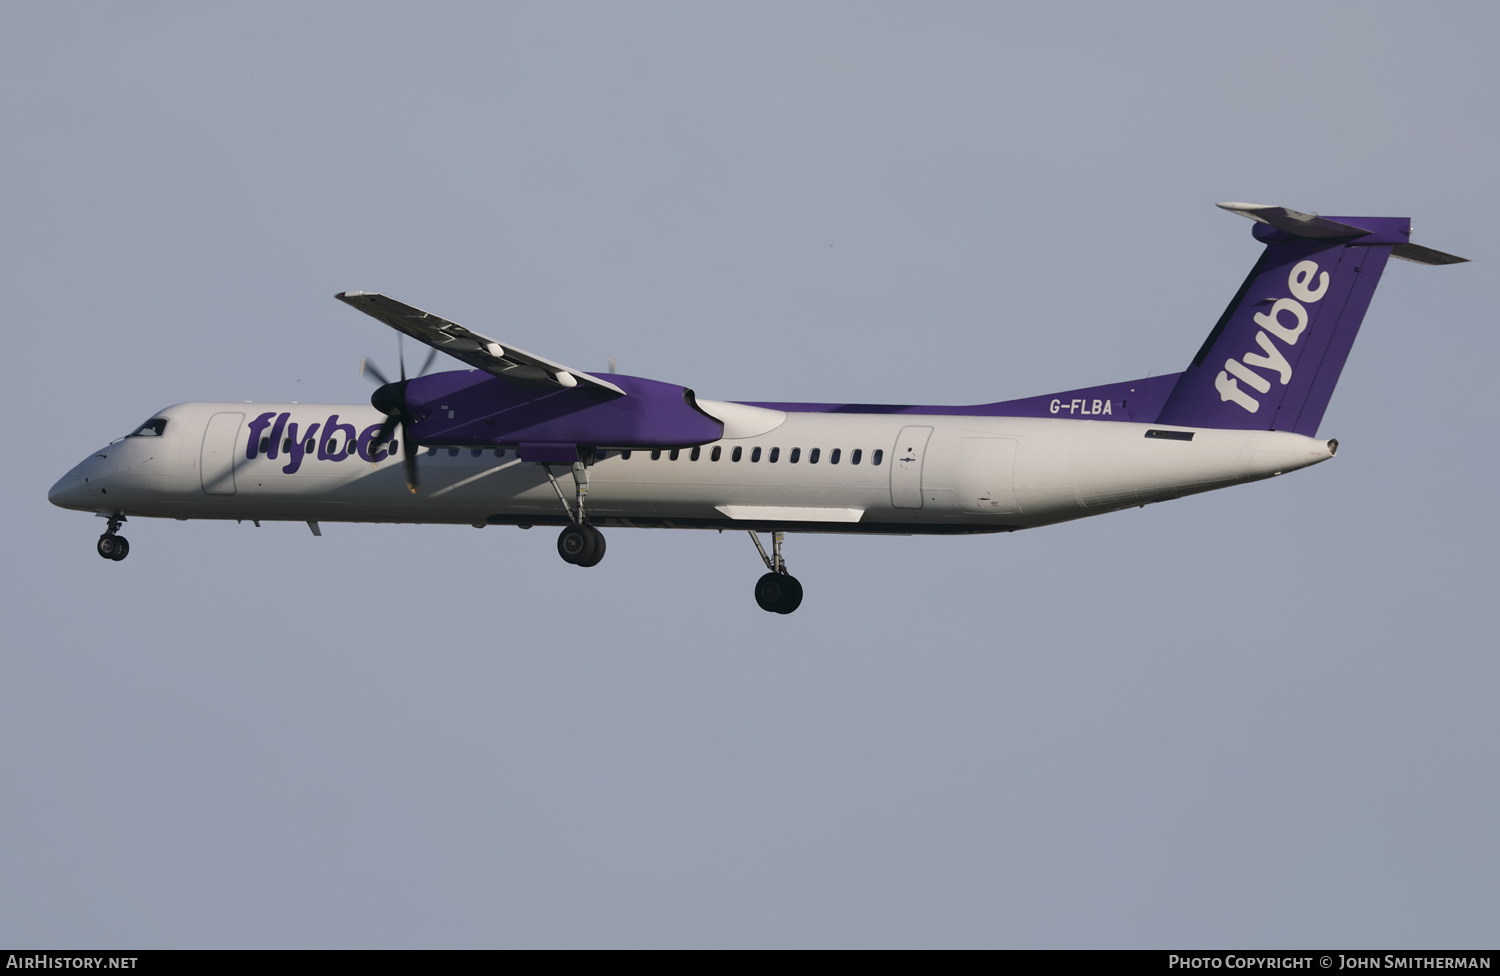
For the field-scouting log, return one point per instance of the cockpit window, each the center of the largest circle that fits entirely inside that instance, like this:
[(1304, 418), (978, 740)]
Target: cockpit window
[(152, 428)]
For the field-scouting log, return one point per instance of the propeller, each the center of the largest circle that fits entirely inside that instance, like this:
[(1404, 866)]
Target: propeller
[(390, 399)]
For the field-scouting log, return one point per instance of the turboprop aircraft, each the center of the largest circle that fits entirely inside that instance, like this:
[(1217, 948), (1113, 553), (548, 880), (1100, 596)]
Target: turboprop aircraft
[(489, 441)]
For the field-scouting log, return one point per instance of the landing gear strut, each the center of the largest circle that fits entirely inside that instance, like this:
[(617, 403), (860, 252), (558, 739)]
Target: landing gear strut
[(579, 544), (778, 591), (112, 546)]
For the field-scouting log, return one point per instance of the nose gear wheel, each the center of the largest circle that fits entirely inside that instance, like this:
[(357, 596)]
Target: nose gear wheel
[(112, 546)]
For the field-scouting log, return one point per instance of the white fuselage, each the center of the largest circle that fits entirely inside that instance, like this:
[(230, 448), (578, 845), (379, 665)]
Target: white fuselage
[(914, 473)]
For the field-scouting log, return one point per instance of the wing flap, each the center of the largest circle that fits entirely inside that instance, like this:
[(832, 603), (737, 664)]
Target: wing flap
[(471, 348)]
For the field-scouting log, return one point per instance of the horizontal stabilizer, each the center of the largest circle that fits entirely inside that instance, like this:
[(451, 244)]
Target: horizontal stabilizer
[(1294, 222), (1424, 255)]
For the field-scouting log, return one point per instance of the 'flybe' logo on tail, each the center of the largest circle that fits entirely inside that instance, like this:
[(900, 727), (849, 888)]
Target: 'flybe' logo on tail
[(1286, 322)]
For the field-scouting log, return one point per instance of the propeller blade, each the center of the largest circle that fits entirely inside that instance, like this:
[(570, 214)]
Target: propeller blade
[(383, 436), (390, 399), (367, 368), (409, 456)]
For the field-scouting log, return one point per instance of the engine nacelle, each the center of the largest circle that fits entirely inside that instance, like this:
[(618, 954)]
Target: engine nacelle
[(472, 407)]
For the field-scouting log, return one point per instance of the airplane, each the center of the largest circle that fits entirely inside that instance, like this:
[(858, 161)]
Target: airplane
[(489, 441)]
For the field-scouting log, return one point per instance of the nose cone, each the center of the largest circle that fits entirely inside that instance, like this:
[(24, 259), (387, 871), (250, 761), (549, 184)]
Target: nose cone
[(390, 398), (68, 492)]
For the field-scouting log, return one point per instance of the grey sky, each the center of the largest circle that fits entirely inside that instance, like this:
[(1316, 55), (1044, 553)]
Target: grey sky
[(1260, 717)]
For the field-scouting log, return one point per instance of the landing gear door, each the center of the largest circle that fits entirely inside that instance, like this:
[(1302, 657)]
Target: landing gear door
[(216, 460), (906, 467)]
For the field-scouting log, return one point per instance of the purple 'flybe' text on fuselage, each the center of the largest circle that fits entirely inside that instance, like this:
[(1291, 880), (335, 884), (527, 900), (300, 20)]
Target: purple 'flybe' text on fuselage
[(332, 445)]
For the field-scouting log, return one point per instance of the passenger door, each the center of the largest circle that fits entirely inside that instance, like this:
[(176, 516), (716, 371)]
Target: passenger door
[(216, 459), (906, 467)]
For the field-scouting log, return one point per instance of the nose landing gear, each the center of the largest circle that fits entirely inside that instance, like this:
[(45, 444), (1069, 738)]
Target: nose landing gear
[(778, 591), (112, 546)]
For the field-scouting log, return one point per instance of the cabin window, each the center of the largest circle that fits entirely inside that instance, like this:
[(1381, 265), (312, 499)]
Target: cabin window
[(738, 453), (833, 456), (151, 428), (812, 456), (715, 454), (453, 452), (877, 456), (697, 453), (310, 446), (854, 456), (477, 451), (499, 452), (754, 454), (656, 454), (775, 455), (432, 452), (265, 444), (796, 455), (674, 453), (624, 455), (350, 447)]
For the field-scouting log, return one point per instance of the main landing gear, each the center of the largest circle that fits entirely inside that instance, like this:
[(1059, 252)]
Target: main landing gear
[(579, 543), (778, 591), (112, 546)]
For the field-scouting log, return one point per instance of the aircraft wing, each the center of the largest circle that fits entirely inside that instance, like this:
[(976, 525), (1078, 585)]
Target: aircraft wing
[(476, 350)]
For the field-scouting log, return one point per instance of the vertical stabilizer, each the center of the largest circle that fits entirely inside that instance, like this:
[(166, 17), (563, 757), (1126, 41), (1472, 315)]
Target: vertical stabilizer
[(1273, 359)]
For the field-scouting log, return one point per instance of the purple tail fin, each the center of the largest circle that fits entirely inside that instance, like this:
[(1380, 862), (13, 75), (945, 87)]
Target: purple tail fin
[(1272, 360)]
